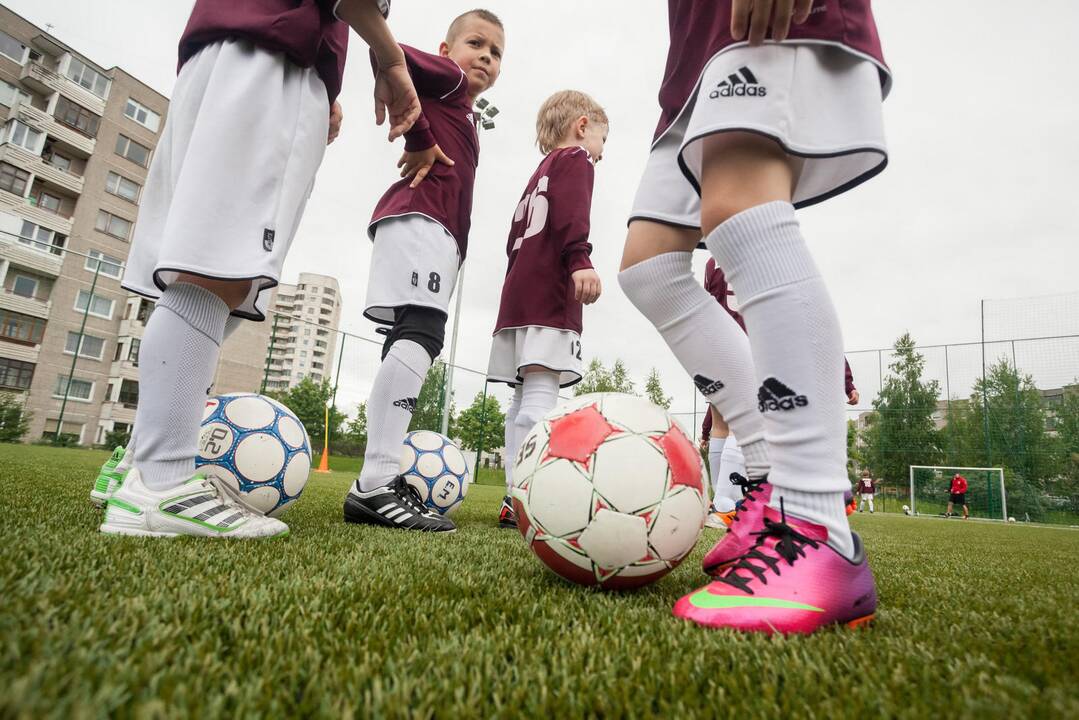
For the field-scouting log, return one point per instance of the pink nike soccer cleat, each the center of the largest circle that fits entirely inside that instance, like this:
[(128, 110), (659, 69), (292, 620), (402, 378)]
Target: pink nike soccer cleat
[(789, 582), (747, 519)]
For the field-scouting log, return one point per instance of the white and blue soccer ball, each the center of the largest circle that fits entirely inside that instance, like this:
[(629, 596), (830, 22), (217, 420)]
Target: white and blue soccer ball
[(258, 446), (431, 463)]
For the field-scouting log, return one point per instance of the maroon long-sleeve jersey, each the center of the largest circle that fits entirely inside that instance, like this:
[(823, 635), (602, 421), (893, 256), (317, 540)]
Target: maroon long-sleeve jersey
[(306, 31), (447, 119), (548, 241), (700, 29)]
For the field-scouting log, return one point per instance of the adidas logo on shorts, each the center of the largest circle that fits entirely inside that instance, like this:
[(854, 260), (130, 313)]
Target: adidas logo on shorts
[(739, 84), (774, 395), (406, 403), (706, 386)]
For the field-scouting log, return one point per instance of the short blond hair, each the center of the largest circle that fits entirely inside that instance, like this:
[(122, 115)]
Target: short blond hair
[(485, 15), (557, 114)]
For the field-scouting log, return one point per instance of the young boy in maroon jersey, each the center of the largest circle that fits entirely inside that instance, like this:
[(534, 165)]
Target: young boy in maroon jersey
[(252, 111), (867, 488), (420, 233), (537, 337), (748, 132)]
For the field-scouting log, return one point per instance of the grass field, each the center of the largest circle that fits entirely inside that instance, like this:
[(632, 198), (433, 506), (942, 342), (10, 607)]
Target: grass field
[(976, 619)]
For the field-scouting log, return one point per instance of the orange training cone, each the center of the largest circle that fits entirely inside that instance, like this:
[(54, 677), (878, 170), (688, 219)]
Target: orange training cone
[(324, 461)]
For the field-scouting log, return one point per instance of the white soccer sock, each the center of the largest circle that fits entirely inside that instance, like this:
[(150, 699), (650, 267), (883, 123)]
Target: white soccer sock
[(722, 498), (707, 342), (539, 395), (797, 352), (177, 359), (389, 411), (512, 441)]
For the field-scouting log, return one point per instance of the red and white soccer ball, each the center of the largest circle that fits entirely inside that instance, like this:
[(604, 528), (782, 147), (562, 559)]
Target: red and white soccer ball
[(609, 491)]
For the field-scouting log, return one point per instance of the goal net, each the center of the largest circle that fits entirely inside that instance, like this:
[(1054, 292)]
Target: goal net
[(930, 490)]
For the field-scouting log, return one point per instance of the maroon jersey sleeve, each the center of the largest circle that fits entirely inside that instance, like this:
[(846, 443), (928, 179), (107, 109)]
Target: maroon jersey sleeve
[(435, 77), (570, 198), (706, 426), (848, 378)]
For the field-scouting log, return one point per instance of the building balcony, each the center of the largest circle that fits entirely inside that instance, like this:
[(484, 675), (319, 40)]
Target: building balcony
[(47, 81), (124, 369), (20, 158), (14, 350), (26, 306), (132, 327), (21, 206), (118, 411), (29, 257), (46, 123)]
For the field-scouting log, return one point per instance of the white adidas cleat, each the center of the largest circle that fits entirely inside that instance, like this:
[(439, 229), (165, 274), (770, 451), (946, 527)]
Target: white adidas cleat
[(200, 507)]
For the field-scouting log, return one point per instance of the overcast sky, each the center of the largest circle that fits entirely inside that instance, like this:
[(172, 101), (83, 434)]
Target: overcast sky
[(977, 201)]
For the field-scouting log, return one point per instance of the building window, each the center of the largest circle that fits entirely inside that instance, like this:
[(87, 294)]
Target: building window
[(113, 225), (82, 390), (129, 393), (99, 306), (82, 74), (145, 308), (142, 115), (329, 291), (78, 117), (25, 136), (48, 203), (92, 347), (13, 179), (50, 156), (133, 352), (128, 148), (122, 187), (24, 286), (12, 48), (15, 374), (110, 266), (42, 238), (21, 329)]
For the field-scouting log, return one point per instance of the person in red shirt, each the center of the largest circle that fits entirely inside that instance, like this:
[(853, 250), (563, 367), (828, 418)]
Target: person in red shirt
[(867, 487), (420, 233), (549, 277), (252, 111), (957, 496), (767, 106)]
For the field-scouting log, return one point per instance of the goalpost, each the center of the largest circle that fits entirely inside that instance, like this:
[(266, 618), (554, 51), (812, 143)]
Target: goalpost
[(930, 489)]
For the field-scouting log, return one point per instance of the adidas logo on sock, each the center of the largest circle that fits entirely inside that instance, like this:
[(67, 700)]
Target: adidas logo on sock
[(706, 386), (739, 84), (406, 403), (774, 395)]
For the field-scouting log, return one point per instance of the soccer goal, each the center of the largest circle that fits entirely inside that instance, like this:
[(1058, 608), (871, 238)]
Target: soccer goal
[(930, 489)]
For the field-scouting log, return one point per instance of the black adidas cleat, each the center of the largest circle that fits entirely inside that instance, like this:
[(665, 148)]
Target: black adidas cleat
[(507, 518), (396, 505)]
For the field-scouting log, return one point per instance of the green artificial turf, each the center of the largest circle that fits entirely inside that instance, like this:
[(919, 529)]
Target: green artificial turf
[(976, 620)]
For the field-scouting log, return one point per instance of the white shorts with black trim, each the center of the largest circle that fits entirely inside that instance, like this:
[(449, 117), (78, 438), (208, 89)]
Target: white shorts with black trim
[(820, 102), (232, 172), (414, 262), (515, 348)]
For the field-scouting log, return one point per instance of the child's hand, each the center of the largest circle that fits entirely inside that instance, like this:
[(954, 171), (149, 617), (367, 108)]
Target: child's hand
[(586, 286), (420, 163), (336, 116), (395, 93), (754, 15)]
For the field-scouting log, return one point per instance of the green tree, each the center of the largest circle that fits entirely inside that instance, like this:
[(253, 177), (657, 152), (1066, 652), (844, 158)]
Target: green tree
[(653, 390), (428, 412), (598, 378), (901, 432), (480, 425), (14, 418), (1067, 427), (352, 441), (308, 399)]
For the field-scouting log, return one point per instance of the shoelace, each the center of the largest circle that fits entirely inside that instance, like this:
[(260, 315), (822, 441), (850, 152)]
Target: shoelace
[(749, 487), (789, 546), (227, 494), (411, 496)]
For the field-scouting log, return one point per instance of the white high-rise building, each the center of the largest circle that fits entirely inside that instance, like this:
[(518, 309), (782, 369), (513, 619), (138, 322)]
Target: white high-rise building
[(303, 336)]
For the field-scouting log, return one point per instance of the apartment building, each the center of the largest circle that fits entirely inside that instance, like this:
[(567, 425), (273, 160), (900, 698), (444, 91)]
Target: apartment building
[(304, 331)]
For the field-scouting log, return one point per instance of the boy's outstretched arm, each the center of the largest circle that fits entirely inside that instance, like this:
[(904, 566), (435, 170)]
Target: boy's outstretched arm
[(395, 94)]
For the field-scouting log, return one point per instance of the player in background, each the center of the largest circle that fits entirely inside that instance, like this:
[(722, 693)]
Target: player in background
[(537, 338), (420, 234), (867, 486), (957, 496), (749, 131), (252, 111)]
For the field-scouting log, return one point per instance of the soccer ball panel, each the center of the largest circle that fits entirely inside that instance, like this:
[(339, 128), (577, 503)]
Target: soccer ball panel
[(455, 460), (262, 498), (291, 431), (533, 447), (446, 491), (635, 414), (261, 456), (296, 473), (215, 440), (678, 524), (430, 465), (426, 440), (560, 499), (250, 412), (630, 473), (420, 485), (408, 458), (562, 560), (614, 540)]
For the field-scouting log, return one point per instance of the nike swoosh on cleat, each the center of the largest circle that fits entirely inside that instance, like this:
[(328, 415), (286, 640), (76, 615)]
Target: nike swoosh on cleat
[(709, 601)]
